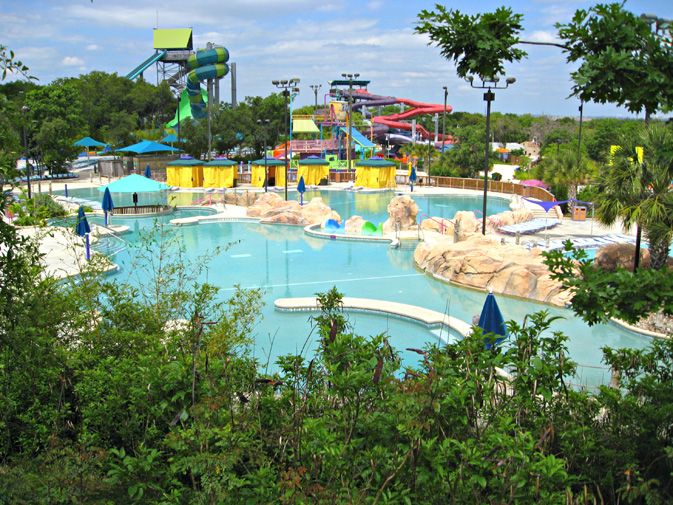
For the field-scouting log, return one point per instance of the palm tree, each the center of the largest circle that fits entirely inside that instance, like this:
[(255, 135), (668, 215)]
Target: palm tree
[(635, 189), (565, 168)]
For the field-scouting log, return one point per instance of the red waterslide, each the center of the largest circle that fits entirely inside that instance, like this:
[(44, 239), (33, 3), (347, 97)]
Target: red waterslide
[(418, 108)]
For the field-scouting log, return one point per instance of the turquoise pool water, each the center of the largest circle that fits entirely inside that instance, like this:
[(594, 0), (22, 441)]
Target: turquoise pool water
[(285, 262)]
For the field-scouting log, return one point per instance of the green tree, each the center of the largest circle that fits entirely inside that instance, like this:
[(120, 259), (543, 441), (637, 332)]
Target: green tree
[(566, 169), (622, 61), (56, 121), (636, 190)]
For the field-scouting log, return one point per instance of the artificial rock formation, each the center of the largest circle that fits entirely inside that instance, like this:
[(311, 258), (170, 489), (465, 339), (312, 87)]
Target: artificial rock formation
[(467, 223), (241, 199), (483, 263), (402, 210), (271, 208), (354, 224), (620, 255)]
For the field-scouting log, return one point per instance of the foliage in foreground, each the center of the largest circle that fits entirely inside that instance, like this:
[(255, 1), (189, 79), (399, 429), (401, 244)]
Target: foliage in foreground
[(116, 394)]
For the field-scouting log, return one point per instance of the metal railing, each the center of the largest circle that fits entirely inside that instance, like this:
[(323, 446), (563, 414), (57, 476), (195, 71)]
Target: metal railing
[(142, 210)]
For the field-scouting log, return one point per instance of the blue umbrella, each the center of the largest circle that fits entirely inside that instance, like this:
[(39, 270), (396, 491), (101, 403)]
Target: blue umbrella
[(82, 229), (491, 321), (148, 172), (108, 205), (412, 177), (301, 187)]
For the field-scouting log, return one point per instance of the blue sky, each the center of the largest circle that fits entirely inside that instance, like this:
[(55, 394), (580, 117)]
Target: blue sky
[(315, 41)]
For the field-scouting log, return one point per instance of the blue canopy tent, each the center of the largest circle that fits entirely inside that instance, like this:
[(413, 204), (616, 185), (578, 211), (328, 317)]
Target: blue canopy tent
[(147, 146), (135, 183), (89, 142), (491, 321)]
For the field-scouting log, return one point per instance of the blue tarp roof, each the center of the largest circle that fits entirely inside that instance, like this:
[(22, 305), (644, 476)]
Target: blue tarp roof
[(358, 137)]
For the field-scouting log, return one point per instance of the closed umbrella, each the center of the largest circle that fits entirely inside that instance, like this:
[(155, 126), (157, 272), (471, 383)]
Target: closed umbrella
[(148, 172), (412, 177), (491, 321), (301, 187), (82, 229), (107, 205)]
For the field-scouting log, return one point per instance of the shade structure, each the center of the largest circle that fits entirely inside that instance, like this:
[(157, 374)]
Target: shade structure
[(171, 137), (313, 170), (107, 204), (147, 146), (276, 175), (491, 321), (220, 173), (89, 142), (185, 173), (148, 172), (375, 173), (82, 229), (134, 183)]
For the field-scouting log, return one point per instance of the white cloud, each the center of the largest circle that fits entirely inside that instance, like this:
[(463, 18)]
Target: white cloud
[(375, 5), (93, 47), (542, 36), (72, 61)]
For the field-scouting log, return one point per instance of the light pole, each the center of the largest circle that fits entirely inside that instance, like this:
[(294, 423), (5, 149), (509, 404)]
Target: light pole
[(315, 88), (489, 96), (350, 78), (286, 86), (265, 124), (446, 95), (25, 110)]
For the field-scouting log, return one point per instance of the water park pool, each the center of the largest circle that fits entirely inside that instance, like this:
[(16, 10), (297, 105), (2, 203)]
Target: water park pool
[(285, 262)]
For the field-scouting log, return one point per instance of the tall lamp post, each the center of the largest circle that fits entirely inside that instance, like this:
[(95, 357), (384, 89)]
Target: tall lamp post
[(315, 88), (265, 125), (25, 110), (489, 96), (286, 86), (446, 95), (350, 78)]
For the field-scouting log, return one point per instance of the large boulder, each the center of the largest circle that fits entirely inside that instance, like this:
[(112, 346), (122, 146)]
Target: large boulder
[(620, 255), (272, 208), (318, 212), (483, 262), (403, 210), (354, 224)]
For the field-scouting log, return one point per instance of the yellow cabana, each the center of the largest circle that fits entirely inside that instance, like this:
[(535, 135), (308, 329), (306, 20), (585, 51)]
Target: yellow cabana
[(375, 173), (184, 173), (313, 170), (276, 170), (220, 173)]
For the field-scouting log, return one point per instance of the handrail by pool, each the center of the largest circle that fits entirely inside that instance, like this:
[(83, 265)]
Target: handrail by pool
[(441, 223)]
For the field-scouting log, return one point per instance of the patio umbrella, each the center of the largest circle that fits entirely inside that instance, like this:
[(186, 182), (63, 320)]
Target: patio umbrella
[(147, 146), (491, 321), (82, 229), (148, 172), (107, 205), (412, 177), (301, 187)]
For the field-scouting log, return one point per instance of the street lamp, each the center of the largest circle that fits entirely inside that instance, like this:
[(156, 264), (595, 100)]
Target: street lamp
[(446, 95), (265, 125), (286, 86), (25, 110), (350, 78), (315, 88), (489, 96)]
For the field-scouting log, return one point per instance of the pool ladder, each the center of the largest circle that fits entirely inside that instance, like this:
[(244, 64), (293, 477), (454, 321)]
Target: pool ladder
[(110, 243)]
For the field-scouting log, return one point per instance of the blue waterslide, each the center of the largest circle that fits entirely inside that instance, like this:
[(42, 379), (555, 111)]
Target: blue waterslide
[(145, 65), (207, 64)]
